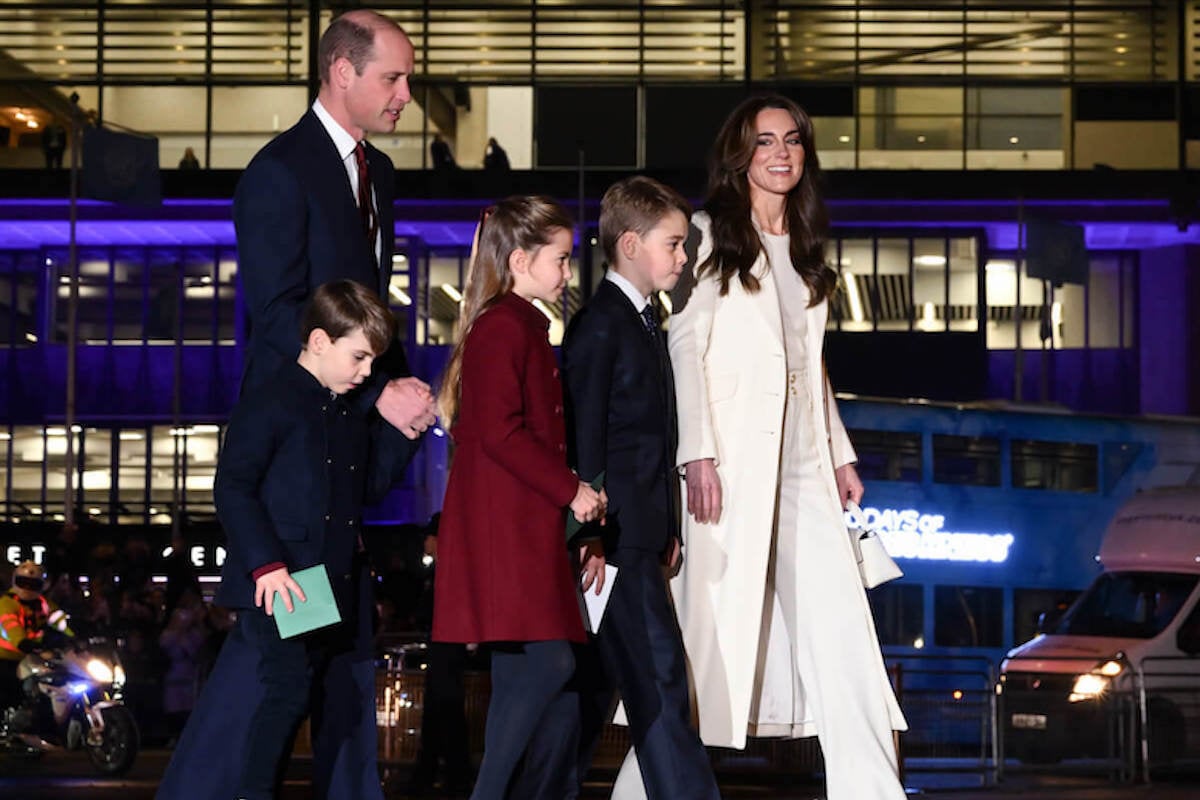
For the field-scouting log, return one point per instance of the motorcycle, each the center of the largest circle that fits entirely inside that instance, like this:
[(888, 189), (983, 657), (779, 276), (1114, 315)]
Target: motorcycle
[(73, 700)]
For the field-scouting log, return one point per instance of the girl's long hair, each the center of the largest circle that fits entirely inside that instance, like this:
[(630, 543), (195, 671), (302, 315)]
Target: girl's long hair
[(515, 223), (736, 242)]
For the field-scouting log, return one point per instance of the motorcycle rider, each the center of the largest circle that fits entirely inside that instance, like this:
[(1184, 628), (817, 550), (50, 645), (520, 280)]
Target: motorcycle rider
[(25, 616)]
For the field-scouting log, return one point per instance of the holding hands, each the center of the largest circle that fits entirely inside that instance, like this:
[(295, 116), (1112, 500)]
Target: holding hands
[(589, 505), (408, 406)]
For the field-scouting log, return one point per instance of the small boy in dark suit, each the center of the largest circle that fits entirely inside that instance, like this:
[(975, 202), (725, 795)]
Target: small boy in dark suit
[(297, 465), (621, 401)]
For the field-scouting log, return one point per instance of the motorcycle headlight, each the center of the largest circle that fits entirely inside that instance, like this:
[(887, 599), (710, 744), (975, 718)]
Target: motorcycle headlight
[(1088, 686), (118, 676), (100, 671)]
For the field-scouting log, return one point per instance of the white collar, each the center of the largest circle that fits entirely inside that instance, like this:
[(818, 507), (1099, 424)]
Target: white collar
[(629, 290), (342, 140)]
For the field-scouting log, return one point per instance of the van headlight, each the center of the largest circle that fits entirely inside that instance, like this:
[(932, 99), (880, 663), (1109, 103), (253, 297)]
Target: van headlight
[(100, 671), (1092, 685)]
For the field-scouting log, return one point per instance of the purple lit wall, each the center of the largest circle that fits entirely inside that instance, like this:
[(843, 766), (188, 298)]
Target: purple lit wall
[(1169, 344)]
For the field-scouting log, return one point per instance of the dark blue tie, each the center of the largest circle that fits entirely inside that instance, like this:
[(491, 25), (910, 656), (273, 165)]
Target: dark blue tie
[(650, 318)]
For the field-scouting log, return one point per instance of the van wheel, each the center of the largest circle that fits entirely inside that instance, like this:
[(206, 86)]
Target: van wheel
[(1166, 730)]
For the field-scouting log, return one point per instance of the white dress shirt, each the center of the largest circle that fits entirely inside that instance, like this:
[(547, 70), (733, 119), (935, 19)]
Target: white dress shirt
[(345, 144), (626, 286)]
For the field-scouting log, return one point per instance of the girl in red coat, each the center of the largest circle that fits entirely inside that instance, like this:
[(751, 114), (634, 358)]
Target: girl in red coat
[(504, 572)]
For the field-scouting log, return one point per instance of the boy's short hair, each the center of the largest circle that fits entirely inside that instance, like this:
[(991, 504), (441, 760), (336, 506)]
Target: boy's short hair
[(338, 307), (636, 204)]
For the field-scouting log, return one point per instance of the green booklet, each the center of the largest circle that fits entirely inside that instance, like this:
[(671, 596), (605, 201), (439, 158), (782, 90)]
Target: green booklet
[(319, 609), (573, 525)]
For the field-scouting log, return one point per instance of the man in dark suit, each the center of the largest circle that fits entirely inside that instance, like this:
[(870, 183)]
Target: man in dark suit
[(315, 205), (621, 400)]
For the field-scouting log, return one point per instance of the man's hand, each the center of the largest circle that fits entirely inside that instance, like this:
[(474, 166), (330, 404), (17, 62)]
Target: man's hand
[(408, 406), (281, 581), (591, 564), (848, 484), (703, 490), (672, 557)]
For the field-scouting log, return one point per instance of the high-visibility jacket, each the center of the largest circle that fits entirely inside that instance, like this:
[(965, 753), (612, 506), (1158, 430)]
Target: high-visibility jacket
[(20, 620)]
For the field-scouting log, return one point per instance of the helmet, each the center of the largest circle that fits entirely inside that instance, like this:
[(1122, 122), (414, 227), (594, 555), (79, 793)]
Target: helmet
[(28, 580)]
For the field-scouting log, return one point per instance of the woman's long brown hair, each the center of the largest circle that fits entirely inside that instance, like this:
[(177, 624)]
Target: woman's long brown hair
[(515, 223), (736, 242)]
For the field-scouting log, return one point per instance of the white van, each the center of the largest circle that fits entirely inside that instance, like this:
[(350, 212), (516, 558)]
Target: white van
[(1071, 689)]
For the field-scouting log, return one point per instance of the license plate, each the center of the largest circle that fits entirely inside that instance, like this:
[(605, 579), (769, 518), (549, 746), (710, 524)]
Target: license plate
[(1029, 722)]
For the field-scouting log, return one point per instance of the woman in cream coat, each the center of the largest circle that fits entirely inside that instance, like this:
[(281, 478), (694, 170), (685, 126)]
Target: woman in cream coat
[(775, 621)]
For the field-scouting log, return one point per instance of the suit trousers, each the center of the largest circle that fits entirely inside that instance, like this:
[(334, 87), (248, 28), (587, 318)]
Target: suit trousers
[(642, 649), (207, 763), (642, 654)]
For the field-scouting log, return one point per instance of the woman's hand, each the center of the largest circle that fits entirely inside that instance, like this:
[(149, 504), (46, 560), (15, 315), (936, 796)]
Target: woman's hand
[(848, 485), (703, 490), (588, 505)]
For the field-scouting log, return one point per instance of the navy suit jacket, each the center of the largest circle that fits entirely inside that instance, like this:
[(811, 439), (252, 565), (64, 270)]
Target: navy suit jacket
[(295, 469), (298, 226), (621, 419)]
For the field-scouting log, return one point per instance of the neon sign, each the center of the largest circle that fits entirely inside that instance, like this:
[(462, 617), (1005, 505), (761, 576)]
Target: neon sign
[(910, 534)]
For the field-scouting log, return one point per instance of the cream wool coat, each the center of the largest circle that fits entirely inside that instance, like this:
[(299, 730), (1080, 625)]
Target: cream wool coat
[(731, 380)]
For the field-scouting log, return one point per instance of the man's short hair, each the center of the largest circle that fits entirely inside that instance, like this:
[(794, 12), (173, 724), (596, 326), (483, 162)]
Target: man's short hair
[(339, 307), (350, 36), (636, 204)]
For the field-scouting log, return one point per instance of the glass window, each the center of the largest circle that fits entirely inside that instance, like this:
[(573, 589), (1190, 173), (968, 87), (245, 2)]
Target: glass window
[(966, 460), (131, 476), (1003, 316), (1059, 466), (1030, 604), (899, 610), (1104, 311), (910, 127), (1134, 605), (8, 321), (129, 296), (857, 261), (891, 287), (968, 616), (446, 272), (929, 283), (1129, 276), (92, 314), (54, 443), (166, 473), (96, 462), (199, 297), (26, 490), (227, 297), (163, 302), (964, 285), (28, 269), (201, 445), (887, 455), (400, 290)]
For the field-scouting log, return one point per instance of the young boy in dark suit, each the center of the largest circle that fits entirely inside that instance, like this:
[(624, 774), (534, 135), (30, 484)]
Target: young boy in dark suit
[(297, 465), (621, 401)]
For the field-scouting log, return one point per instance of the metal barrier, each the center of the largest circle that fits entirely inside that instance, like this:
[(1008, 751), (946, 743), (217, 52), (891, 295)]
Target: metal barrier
[(950, 705), (1168, 705)]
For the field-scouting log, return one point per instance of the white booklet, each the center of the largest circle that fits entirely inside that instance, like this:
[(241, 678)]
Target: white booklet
[(594, 604)]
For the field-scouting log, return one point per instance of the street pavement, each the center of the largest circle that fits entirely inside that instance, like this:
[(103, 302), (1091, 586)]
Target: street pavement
[(69, 775)]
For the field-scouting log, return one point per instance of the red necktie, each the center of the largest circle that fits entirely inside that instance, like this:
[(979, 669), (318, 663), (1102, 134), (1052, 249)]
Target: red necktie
[(365, 209)]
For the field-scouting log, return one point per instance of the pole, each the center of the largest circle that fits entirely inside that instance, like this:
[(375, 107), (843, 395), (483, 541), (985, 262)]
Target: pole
[(1018, 355), (72, 315)]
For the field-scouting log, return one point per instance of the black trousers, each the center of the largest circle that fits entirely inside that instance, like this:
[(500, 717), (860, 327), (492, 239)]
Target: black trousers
[(640, 657)]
